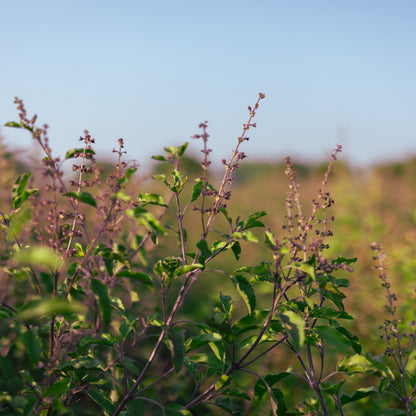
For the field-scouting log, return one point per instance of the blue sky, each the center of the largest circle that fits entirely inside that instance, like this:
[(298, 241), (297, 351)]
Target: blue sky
[(151, 71)]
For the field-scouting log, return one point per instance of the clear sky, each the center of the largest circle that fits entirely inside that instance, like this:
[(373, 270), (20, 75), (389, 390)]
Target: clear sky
[(333, 71)]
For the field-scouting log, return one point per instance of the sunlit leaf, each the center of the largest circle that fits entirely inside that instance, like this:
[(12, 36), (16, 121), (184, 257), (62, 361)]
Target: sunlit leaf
[(364, 364), (181, 270), (223, 381), (13, 124), (146, 219), (152, 199), (245, 235), (246, 292), (181, 149)]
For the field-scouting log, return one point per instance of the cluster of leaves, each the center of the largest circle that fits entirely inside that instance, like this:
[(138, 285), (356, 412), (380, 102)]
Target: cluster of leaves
[(94, 321)]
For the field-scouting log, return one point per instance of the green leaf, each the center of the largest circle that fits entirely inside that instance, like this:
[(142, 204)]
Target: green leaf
[(195, 342), (307, 268), (218, 245), (101, 290), (123, 180), (33, 344), (165, 268), (176, 340), (152, 199), (218, 349), (13, 124), (175, 409), (329, 313), (21, 183), (25, 126), (136, 407), (79, 250), (204, 249), (211, 361), (269, 240), (145, 218), (17, 221), (30, 406), (249, 341), (181, 149), (179, 181), (236, 249), (296, 328), (227, 405), (246, 292), (343, 260), (227, 304), (225, 213), (395, 412), (80, 364), (57, 389), (245, 235), (127, 326), (130, 364), (223, 381), (237, 393), (82, 196), (252, 220), (71, 153), (355, 342), (19, 192), (87, 343), (139, 276), (49, 307), (332, 336), (38, 256), (276, 396), (333, 294), (170, 150), (159, 158), (187, 268), (197, 190), (357, 395), (102, 398), (364, 364)]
